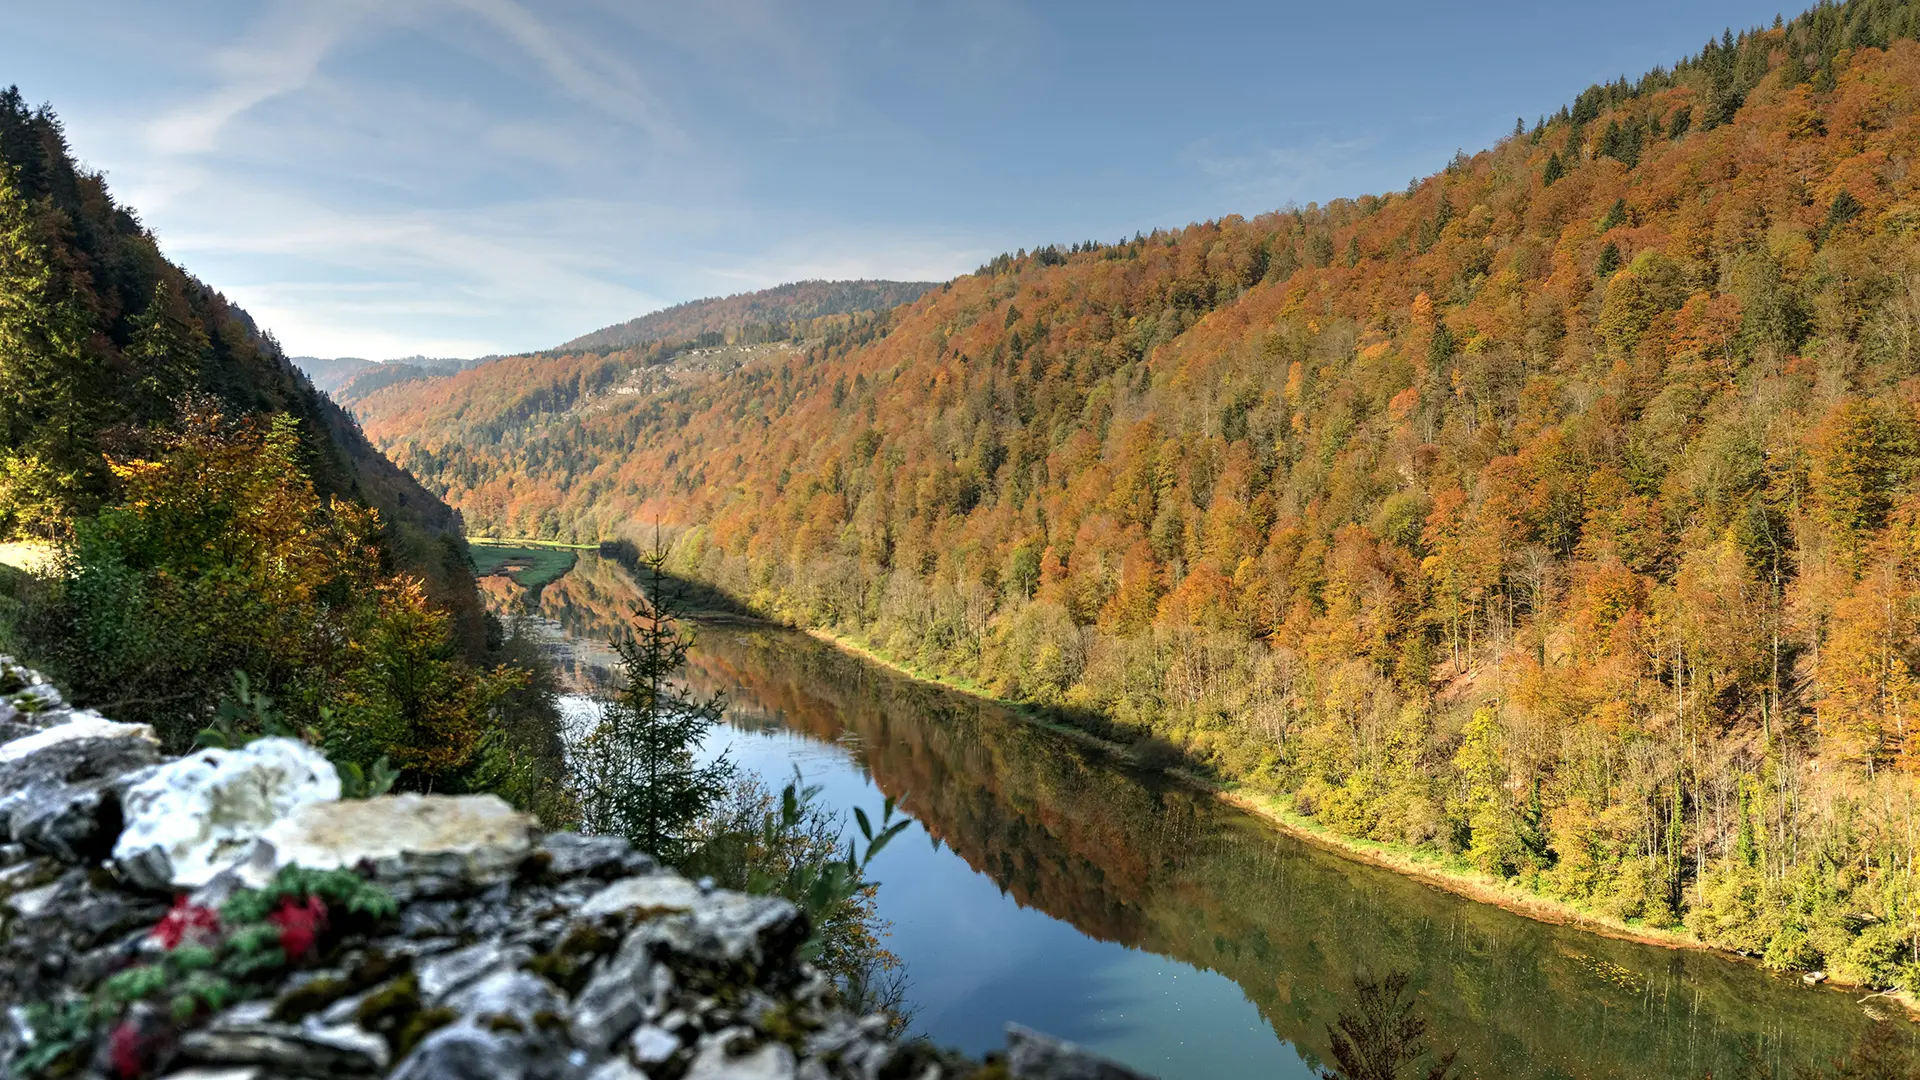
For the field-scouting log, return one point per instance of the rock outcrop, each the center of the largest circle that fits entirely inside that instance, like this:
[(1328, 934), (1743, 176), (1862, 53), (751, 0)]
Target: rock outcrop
[(192, 818), (226, 915)]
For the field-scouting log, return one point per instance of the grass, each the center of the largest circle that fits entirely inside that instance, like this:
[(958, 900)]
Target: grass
[(529, 563), (28, 555), (515, 542)]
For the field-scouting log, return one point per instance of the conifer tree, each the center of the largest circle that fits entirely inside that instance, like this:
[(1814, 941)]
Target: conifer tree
[(636, 769)]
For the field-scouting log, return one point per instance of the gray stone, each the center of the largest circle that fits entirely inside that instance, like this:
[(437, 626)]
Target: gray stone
[(731, 1055), (1033, 1056), (757, 930), (570, 855), (58, 794), (285, 1048), (421, 845), (79, 724), (464, 1052), (521, 995), (651, 1045), (613, 1001), (648, 894), (616, 1069), (442, 974)]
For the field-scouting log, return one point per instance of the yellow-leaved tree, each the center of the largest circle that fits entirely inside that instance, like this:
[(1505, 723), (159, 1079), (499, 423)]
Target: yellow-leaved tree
[(218, 558)]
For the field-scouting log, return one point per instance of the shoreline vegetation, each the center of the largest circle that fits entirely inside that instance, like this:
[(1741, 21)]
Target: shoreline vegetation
[(1276, 813)]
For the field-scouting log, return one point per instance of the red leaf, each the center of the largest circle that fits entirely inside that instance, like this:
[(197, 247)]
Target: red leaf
[(186, 923), (123, 1047), (300, 925)]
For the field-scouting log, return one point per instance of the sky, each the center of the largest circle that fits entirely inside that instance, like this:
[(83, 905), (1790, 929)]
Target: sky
[(384, 178)]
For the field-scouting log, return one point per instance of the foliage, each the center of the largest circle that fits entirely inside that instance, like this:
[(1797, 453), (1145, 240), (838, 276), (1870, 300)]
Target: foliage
[(749, 317), (1625, 462), (791, 846), (635, 770), (101, 338), (220, 558), (529, 566), (206, 962)]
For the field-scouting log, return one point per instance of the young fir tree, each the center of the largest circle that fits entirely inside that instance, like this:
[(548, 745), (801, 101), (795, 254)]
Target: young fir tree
[(636, 770)]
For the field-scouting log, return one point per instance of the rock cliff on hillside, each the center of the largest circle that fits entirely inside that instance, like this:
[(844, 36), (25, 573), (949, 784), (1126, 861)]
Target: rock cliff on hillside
[(226, 915)]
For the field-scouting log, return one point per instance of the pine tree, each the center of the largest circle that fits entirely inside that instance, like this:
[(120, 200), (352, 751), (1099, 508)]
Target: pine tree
[(1555, 169), (636, 770), (169, 346), (46, 422), (1383, 1037), (1608, 262)]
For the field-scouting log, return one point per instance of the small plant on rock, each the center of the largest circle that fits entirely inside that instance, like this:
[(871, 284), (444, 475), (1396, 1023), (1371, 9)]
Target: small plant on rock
[(207, 961)]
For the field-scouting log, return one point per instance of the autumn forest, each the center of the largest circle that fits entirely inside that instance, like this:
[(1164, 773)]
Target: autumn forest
[(1556, 516)]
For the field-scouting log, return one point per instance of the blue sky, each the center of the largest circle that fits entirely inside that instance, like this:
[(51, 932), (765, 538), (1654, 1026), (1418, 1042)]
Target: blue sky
[(456, 177)]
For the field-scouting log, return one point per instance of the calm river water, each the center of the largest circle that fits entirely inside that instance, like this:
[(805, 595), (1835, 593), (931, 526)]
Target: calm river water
[(1041, 883)]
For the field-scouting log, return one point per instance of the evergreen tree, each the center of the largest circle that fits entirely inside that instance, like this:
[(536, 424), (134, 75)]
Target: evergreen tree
[(46, 424), (636, 770), (1682, 119), (1555, 169), (168, 348), (1608, 262)]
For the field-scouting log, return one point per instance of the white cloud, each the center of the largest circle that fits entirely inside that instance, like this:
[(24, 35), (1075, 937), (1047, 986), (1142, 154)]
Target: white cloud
[(471, 176), (280, 55)]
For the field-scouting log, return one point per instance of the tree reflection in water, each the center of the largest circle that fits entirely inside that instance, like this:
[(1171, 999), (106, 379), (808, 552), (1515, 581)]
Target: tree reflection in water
[(1383, 1036)]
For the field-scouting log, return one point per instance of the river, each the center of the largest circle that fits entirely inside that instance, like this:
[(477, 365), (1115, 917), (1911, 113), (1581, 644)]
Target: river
[(1043, 883)]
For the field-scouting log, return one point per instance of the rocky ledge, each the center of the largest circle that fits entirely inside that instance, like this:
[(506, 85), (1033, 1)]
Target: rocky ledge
[(227, 916)]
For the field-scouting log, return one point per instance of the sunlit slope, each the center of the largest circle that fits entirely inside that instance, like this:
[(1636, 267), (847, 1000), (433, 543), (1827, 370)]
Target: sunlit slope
[(1556, 514)]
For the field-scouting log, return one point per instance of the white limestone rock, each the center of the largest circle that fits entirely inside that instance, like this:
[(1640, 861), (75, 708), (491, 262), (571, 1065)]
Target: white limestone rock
[(81, 724), (423, 845), (652, 893), (722, 1057), (199, 815)]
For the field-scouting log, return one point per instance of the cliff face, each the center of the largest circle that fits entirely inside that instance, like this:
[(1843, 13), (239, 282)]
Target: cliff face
[(229, 911)]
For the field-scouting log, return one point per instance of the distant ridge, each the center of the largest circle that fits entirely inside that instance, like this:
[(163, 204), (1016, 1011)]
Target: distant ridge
[(796, 302), (345, 374)]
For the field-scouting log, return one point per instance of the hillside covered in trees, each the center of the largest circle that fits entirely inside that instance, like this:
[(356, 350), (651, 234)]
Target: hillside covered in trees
[(1558, 513), (334, 376), (757, 316), (233, 555)]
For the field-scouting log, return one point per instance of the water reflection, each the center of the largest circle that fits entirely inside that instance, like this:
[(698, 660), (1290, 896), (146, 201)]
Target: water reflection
[(1045, 885)]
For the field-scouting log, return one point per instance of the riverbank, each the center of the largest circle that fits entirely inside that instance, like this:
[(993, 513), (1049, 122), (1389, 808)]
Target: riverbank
[(1433, 869), (1026, 712)]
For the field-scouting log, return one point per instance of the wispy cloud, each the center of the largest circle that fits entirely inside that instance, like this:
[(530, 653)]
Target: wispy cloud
[(588, 74), (280, 55)]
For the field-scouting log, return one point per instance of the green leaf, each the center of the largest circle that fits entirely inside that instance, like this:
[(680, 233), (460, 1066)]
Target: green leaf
[(891, 832)]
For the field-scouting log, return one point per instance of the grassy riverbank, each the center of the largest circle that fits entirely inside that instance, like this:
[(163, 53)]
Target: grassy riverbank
[(530, 563)]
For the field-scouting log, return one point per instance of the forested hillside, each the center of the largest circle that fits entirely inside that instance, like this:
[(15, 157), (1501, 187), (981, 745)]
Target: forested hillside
[(759, 316), (1557, 513), (329, 374), (100, 338), (234, 555)]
